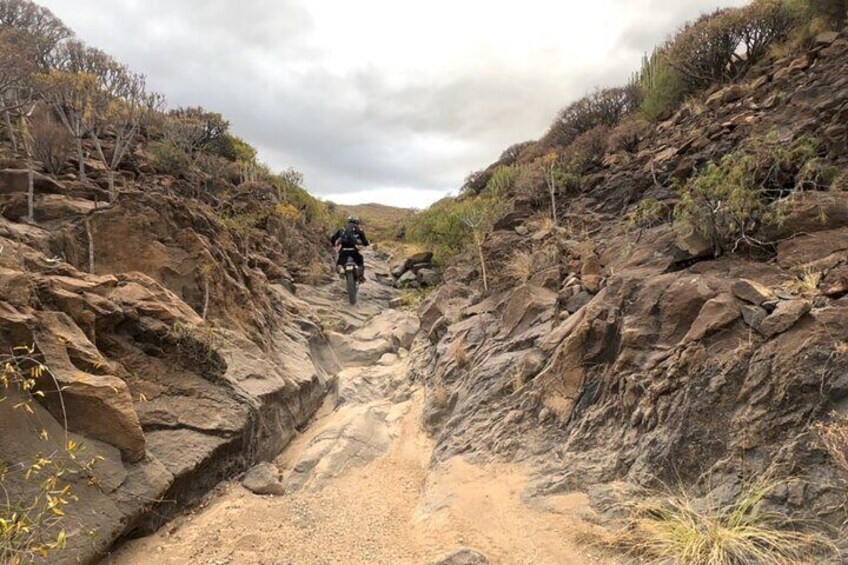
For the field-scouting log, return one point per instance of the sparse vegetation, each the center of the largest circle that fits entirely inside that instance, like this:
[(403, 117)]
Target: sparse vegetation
[(35, 491), (807, 281), (834, 437), (602, 108), (51, 143), (648, 213), (677, 528), (628, 134), (459, 352), (723, 204), (452, 225), (520, 266), (729, 202), (663, 86)]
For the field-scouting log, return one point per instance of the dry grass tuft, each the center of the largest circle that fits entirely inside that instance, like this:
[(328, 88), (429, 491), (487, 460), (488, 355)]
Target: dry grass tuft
[(440, 394), (459, 352), (675, 528), (834, 437), (520, 266), (806, 282), (840, 348)]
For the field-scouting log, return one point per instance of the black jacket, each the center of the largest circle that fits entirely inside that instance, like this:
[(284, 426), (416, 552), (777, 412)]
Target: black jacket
[(360, 236)]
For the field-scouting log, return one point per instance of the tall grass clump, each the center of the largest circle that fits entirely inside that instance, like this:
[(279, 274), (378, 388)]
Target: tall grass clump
[(677, 528)]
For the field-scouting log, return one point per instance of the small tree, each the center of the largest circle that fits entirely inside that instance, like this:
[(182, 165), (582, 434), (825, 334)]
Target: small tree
[(120, 107), (479, 215), (16, 69), (72, 88), (550, 164), (194, 130), (42, 28)]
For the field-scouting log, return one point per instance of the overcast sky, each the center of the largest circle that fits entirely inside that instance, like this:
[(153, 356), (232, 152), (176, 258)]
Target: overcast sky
[(379, 100)]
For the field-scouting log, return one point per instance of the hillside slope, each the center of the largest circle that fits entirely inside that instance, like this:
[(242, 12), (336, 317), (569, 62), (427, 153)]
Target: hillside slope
[(612, 351), (381, 222)]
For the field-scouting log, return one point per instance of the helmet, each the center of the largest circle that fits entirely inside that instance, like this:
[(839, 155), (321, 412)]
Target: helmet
[(353, 220)]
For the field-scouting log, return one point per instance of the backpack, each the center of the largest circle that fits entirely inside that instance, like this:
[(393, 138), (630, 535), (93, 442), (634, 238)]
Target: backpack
[(350, 237)]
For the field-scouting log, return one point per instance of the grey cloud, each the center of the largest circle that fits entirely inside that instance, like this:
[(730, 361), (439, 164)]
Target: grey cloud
[(255, 62)]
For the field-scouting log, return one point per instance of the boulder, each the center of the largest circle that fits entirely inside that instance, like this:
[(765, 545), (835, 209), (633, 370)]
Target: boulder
[(547, 278), (751, 292), (428, 277), (264, 479), (786, 315), (16, 287), (422, 257), (590, 274), (716, 314), (407, 279), (95, 404), (825, 38)]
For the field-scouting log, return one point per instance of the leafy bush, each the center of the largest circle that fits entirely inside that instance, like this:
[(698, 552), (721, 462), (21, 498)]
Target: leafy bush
[(724, 204), (706, 51), (476, 181), (452, 225), (170, 158), (648, 213), (604, 107), (781, 167)]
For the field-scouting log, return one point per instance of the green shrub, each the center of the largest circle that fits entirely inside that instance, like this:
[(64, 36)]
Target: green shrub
[(724, 204), (663, 86), (449, 226), (503, 180), (648, 213), (704, 50), (169, 158)]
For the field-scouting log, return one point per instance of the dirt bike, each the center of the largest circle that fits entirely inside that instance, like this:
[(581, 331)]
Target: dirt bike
[(350, 272)]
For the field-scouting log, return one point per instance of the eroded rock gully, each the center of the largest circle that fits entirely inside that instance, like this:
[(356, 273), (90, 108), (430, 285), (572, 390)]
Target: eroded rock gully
[(359, 480), (169, 404)]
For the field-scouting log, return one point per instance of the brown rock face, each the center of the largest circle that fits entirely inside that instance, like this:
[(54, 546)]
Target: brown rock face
[(683, 364), (172, 403)]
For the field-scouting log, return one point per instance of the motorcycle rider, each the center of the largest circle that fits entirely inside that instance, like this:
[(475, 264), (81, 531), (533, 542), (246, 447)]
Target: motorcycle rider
[(347, 240)]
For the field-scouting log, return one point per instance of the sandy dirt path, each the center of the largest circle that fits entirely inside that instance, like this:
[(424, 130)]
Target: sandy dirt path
[(361, 491)]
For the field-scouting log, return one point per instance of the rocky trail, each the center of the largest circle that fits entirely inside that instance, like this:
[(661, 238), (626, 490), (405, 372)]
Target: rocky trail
[(359, 485)]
